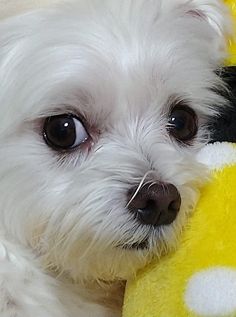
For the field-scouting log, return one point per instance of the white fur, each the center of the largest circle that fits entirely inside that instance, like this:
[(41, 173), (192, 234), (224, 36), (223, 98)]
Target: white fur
[(63, 219), (14, 7)]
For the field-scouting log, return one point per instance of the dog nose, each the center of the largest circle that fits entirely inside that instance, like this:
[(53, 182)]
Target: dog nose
[(156, 204)]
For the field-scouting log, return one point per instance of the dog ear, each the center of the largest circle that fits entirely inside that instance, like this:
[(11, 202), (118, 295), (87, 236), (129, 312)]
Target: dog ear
[(215, 13)]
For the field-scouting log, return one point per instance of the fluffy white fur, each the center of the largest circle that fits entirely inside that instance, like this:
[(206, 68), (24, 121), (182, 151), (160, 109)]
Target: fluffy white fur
[(13, 7), (63, 218)]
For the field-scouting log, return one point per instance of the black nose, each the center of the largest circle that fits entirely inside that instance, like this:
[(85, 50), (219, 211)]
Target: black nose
[(156, 204)]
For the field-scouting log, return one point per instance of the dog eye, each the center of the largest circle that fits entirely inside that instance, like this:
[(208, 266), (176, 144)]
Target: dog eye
[(64, 132), (182, 124)]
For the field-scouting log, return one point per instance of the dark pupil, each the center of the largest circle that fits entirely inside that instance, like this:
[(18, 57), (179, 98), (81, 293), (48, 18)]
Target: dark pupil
[(179, 121), (183, 124), (60, 131)]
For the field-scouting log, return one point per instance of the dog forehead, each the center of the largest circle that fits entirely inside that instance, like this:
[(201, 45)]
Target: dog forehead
[(111, 56)]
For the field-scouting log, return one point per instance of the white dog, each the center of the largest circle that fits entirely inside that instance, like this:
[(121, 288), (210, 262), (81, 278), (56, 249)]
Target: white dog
[(104, 106)]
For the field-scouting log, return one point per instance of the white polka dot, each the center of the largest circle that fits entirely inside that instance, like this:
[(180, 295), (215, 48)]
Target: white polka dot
[(212, 292), (217, 155)]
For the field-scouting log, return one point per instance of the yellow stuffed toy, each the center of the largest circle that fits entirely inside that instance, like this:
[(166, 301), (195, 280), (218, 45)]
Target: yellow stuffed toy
[(232, 44), (199, 279)]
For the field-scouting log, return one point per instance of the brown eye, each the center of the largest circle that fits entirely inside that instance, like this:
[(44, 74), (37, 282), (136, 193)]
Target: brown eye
[(182, 123), (64, 132)]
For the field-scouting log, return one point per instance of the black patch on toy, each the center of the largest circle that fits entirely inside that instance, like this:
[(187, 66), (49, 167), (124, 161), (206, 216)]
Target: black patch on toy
[(223, 128)]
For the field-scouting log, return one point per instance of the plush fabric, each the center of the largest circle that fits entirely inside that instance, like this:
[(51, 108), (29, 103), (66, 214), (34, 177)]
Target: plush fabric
[(232, 44)]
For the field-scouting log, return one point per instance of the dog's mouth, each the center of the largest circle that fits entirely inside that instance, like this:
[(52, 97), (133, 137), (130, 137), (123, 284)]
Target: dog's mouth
[(143, 245)]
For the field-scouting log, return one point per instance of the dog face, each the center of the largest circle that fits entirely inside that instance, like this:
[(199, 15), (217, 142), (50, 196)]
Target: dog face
[(103, 109)]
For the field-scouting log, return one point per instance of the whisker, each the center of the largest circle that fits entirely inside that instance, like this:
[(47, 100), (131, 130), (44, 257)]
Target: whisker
[(138, 188)]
